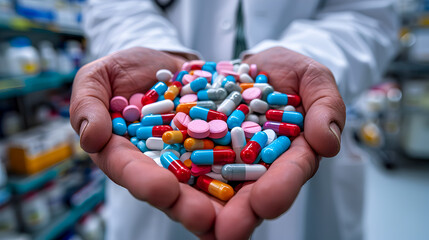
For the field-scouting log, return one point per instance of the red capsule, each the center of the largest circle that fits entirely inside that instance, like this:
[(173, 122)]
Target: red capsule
[(285, 129), (293, 100), (215, 188), (114, 115)]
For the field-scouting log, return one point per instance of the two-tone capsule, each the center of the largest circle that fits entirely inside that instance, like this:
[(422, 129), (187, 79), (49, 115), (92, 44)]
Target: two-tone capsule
[(157, 119), (152, 131), (206, 114), (277, 98), (285, 116), (284, 129), (242, 172), (192, 144), (186, 107), (119, 126), (210, 157), (230, 103), (275, 149), (172, 163), (153, 94), (172, 137), (215, 187), (173, 90), (237, 116), (213, 94), (194, 86), (250, 152)]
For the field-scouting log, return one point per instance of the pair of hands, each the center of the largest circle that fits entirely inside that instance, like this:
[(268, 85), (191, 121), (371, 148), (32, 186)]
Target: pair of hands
[(127, 72)]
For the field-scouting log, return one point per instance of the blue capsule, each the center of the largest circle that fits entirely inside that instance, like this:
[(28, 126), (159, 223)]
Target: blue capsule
[(160, 98), (275, 149), (228, 78), (293, 117), (226, 140), (160, 88), (132, 129), (261, 138), (119, 126), (176, 102), (180, 76), (276, 98), (141, 145), (209, 67), (198, 84), (134, 140), (152, 120), (199, 113), (261, 78)]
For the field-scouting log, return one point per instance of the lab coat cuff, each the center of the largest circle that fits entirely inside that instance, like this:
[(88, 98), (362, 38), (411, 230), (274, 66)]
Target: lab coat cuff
[(179, 50), (267, 44)]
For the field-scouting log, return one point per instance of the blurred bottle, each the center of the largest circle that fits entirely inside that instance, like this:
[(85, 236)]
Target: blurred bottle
[(48, 55), (21, 57)]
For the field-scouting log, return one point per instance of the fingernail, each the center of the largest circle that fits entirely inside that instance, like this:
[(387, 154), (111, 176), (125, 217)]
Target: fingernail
[(336, 131), (83, 127)]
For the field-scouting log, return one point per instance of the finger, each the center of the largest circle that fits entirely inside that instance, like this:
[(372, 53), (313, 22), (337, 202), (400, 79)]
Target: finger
[(195, 211), (276, 190), (325, 110), (237, 219), (89, 115), (122, 162)]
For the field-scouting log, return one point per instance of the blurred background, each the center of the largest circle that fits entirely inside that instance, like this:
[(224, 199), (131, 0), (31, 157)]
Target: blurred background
[(50, 189)]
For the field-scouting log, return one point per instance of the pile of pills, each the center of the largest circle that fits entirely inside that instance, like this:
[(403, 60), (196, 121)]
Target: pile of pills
[(213, 125)]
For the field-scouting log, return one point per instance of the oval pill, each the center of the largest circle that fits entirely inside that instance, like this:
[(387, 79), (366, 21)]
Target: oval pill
[(242, 172)]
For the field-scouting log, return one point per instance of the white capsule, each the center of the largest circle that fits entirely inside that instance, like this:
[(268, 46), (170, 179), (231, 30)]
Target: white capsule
[(271, 136), (217, 168), (245, 78), (164, 75), (164, 106), (238, 140), (243, 172), (155, 143), (217, 82), (230, 103), (262, 119), (244, 68), (259, 106), (252, 118), (217, 176), (288, 108)]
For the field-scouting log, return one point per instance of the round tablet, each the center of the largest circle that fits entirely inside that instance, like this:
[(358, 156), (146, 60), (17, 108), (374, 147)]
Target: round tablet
[(230, 73), (131, 113), (250, 128), (181, 120), (218, 129), (188, 78), (189, 98), (224, 65), (251, 93), (118, 103), (164, 75), (204, 74), (136, 100), (253, 72), (198, 129)]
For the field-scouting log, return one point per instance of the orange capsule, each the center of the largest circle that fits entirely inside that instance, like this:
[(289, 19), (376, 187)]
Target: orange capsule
[(173, 90), (172, 137), (186, 107), (192, 144), (222, 147), (215, 188)]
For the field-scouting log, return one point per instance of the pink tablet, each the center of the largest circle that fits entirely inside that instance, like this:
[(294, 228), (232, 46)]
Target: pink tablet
[(136, 100), (250, 128), (218, 129), (204, 74), (118, 103), (251, 93), (198, 129), (181, 120), (131, 113), (253, 72), (188, 98), (188, 78), (224, 65)]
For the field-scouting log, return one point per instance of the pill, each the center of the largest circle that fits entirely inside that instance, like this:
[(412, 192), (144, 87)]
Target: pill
[(230, 73), (293, 100), (243, 68), (118, 103), (155, 143), (119, 126), (250, 128), (226, 140), (259, 106), (217, 168), (277, 98), (238, 142), (238, 116), (172, 163), (261, 86), (131, 113), (179, 76), (245, 78), (261, 78), (285, 129), (211, 156), (252, 149), (266, 91), (230, 103), (165, 106), (152, 95), (152, 131), (285, 116), (251, 93), (218, 129), (272, 151), (188, 78), (186, 107), (198, 170), (181, 120), (172, 137), (215, 187), (136, 100), (217, 82), (196, 64), (271, 135), (134, 140), (153, 154), (224, 65), (141, 145), (252, 118), (204, 74), (231, 87), (289, 108), (262, 119), (132, 128), (216, 176), (164, 75), (242, 172), (193, 87), (253, 71), (209, 67), (212, 94), (157, 119), (189, 98), (198, 129), (192, 144), (185, 156), (220, 147), (173, 90), (206, 114), (227, 79)]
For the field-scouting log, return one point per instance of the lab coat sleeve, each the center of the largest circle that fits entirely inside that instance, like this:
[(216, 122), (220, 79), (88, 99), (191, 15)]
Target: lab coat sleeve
[(354, 39), (112, 25)]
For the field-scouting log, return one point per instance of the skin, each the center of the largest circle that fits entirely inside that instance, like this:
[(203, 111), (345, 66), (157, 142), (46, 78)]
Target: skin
[(127, 72)]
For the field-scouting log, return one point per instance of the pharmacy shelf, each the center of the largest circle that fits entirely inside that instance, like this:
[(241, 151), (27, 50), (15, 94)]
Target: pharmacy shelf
[(67, 220), (18, 86), (17, 23)]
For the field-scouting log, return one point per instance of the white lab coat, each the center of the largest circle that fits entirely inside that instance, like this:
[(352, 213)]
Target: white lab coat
[(354, 39)]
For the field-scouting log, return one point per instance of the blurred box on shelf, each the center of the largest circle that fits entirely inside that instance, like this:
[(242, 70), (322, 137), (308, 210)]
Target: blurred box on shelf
[(34, 150)]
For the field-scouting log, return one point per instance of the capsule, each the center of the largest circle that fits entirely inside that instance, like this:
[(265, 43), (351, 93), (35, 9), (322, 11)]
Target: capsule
[(259, 106), (209, 67), (230, 103), (231, 87), (155, 143), (261, 78), (141, 145), (245, 78), (160, 107), (277, 98), (157, 119), (152, 131), (172, 163), (238, 116), (119, 126), (215, 187), (210, 157), (226, 140), (238, 142), (261, 86), (284, 129), (186, 107), (194, 86), (266, 91), (192, 144), (242, 172), (227, 79), (293, 99), (132, 128), (173, 90), (250, 152), (275, 149), (173, 148), (285, 116), (172, 137), (206, 114), (179, 76), (134, 140), (212, 94), (152, 95)]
